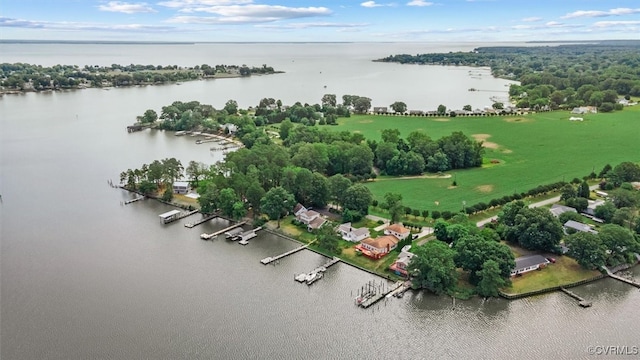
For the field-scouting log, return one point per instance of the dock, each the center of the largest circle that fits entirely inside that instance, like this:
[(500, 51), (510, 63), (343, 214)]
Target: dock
[(582, 302), (134, 200), (175, 215), (371, 294), (316, 273), (248, 235), (400, 289), (206, 236), (201, 221), (271, 259), (623, 279)]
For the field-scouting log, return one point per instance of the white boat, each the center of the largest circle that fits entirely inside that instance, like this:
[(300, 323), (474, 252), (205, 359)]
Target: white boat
[(311, 278), (301, 277)]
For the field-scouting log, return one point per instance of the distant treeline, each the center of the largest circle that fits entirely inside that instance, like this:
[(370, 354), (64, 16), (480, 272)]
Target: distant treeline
[(28, 77), (563, 76)]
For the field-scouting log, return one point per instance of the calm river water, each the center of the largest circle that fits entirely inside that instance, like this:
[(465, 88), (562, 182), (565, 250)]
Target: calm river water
[(83, 277)]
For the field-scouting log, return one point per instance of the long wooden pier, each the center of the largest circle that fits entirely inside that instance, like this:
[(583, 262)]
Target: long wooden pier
[(321, 269), (271, 259), (371, 295), (206, 236), (201, 221), (582, 302), (620, 278)]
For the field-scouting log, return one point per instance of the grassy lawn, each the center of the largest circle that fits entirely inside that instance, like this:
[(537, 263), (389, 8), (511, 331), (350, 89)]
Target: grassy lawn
[(531, 149), (380, 266), (564, 271)]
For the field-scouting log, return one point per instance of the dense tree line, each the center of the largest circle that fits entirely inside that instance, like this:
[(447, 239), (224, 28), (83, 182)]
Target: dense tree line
[(22, 76), (563, 76), (150, 178)]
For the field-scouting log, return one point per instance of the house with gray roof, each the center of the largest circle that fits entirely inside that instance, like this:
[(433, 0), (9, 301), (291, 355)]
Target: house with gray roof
[(352, 234), (577, 226), (529, 263), (558, 209)]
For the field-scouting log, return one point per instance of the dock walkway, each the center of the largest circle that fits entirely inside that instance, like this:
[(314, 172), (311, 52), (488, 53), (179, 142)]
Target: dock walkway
[(620, 278), (181, 216), (206, 236), (271, 259), (373, 295), (134, 200), (201, 221), (582, 302)]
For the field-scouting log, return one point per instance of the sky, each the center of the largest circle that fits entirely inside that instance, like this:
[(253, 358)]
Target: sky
[(320, 21)]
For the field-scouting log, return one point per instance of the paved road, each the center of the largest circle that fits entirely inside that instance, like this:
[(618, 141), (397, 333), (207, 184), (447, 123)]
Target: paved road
[(553, 200)]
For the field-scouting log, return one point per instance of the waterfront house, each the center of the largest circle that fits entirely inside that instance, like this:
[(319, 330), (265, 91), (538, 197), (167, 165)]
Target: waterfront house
[(574, 226), (378, 247), (380, 110), (558, 209), (397, 230), (352, 234), (311, 218), (180, 187), (529, 263), (402, 263)]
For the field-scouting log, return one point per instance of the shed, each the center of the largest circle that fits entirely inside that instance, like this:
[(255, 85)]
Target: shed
[(169, 216)]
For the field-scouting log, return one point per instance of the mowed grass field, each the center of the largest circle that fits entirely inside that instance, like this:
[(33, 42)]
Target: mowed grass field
[(532, 150)]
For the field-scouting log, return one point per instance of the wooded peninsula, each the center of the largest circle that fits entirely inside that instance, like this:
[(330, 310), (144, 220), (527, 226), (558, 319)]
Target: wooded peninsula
[(20, 77)]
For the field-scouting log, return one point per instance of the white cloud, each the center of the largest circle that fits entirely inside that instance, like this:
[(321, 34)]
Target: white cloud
[(606, 24), (419, 3), (74, 26), (314, 25), (244, 14), (599, 13), (370, 4), (532, 19), (194, 3), (127, 8)]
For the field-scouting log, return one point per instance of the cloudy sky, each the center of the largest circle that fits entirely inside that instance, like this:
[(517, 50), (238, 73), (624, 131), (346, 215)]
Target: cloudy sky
[(323, 20)]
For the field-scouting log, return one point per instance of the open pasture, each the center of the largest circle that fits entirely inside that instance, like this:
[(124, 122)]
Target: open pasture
[(524, 151)]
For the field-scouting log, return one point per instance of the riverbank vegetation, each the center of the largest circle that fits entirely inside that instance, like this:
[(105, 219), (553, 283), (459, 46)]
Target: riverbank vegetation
[(561, 77), (30, 77)]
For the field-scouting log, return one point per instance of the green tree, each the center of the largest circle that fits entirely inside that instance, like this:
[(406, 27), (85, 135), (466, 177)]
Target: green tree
[(567, 192), (620, 243), (226, 200), (497, 105), (195, 170), (329, 100), (255, 192), (231, 107), (358, 198), (433, 267), (393, 204), (587, 249), (583, 190), (338, 185), (285, 127), (473, 251), (467, 108), (277, 202), (442, 109), (605, 211), (399, 107), (327, 239), (391, 136), (208, 199), (238, 210), (150, 116), (491, 279), (362, 105), (536, 229)]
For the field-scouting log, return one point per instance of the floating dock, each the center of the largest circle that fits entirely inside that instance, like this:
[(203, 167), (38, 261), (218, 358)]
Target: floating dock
[(206, 236), (201, 221), (370, 294), (134, 200), (270, 259)]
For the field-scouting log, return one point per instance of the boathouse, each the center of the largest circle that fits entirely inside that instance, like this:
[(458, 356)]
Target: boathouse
[(169, 216)]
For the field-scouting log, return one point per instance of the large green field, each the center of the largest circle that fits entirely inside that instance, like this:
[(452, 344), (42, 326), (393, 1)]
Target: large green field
[(531, 149)]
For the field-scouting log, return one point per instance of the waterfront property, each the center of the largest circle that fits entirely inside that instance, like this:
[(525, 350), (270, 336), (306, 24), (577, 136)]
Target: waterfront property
[(529, 263), (400, 266), (378, 247), (398, 231), (352, 234), (180, 187), (311, 218)]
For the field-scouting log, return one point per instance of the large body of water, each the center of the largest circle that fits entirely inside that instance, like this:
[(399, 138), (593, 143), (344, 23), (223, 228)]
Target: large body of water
[(85, 277)]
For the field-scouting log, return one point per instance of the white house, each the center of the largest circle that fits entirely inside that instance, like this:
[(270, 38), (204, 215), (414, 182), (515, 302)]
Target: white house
[(180, 187), (529, 263), (352, 234), (397, 230)]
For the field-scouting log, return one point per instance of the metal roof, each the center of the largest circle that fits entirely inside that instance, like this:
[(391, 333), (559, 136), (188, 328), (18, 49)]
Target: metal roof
[(169, 214)]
